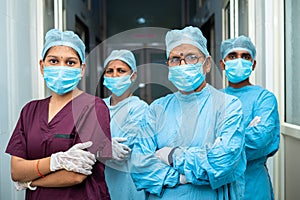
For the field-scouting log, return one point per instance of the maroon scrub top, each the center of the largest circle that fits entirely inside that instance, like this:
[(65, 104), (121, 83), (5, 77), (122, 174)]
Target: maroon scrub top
[(85, 118)]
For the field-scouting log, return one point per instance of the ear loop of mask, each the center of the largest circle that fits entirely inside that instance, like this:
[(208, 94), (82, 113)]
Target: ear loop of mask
[(132, 81), (203, 63), (81, 70)]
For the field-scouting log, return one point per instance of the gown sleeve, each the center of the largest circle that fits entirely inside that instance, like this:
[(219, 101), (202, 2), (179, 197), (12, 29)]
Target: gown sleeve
[(127, 128), (130, 126), (93, 124), (224, 161), (263, 139), (147, 171)]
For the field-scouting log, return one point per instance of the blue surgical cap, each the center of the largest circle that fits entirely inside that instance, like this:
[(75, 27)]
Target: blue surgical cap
[(123, 55), (239, 43), (55, 37), (188, 35)]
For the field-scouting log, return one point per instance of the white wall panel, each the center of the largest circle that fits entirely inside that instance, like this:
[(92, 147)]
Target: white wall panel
[(20, 81)]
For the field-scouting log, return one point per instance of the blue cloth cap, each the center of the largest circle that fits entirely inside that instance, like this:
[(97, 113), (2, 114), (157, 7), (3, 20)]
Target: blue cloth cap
[(55, 37), (188, 35), (239, 43), (123, 55)]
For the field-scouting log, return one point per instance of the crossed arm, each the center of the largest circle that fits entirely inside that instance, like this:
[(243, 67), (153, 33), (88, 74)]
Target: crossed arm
[(26, 170), (74, 165)]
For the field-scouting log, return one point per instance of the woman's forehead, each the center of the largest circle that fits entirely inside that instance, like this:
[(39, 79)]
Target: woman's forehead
[(62, 50), (117, 63)]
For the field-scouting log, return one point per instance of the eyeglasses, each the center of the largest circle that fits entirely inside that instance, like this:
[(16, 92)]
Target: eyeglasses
[(189, 59)]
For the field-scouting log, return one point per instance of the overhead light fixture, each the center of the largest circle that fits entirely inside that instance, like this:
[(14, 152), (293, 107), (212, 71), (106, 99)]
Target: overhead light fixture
[(141, 20), (142, 85)]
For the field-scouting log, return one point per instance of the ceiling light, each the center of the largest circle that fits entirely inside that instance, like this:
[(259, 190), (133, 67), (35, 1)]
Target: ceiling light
[(141, 20)]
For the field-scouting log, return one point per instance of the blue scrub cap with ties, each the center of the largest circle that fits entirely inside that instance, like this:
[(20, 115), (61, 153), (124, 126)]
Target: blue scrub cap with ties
[(239, 43), (188, 35), (55, 37), (123, 55)]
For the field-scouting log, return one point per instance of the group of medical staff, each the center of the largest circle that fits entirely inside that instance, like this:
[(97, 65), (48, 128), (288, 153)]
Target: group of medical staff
[(196, 143)]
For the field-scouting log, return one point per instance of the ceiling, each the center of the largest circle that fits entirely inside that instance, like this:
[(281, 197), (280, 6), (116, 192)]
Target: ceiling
[(123, 15)]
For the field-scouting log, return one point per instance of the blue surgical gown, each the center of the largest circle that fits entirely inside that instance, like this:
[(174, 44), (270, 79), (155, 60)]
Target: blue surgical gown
[(124, 121), (262, 140), (207, 126)]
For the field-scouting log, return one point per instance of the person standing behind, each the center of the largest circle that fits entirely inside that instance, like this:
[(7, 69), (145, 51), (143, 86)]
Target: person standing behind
[(48, 147), (126, 111), (191, 142), (262, 127)]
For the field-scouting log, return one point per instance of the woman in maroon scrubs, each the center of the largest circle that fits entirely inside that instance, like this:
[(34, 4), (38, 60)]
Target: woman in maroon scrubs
[(56, 140)]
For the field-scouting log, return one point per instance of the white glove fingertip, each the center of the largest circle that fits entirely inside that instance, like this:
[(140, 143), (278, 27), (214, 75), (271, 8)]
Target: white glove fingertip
[(88, 172), (84, 145), (117, 159), (182, 179), (120, 139), (126, 148), (84, 172), (87, 144), (30, 187), (19, 186), (93, 158), (89, 156)]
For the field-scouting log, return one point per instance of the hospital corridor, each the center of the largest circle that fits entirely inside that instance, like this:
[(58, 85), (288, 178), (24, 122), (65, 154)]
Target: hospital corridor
[(133, 65)]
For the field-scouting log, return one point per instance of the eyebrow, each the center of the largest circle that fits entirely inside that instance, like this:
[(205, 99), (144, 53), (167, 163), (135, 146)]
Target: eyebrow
[(242, 54), (121, 67), (188, 54), (72, 57)]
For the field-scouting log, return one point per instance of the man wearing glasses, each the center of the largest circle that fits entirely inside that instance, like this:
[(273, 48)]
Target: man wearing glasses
[(191, 143)]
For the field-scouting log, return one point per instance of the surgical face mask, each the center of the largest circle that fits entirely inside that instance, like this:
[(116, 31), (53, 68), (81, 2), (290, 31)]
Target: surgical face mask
[(62, 79), (238, 70), (187, 77), (118, 85)]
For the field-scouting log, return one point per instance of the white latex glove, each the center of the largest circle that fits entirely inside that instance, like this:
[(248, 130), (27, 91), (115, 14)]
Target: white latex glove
[(255, 121), (76, 159), (120, 151), (23, 186), (163, 154), (182, 179)]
